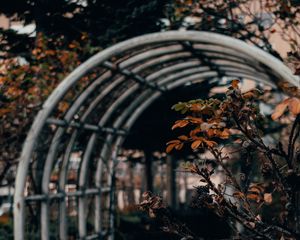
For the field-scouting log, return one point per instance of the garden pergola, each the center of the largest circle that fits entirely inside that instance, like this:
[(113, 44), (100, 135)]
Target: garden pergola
[(92, 111)]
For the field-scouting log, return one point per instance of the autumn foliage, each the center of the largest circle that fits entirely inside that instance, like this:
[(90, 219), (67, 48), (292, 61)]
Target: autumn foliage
[(24, 85), (232, 131)]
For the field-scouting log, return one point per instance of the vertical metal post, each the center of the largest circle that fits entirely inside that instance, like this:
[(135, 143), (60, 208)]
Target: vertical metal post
[(148, 171), (171, 181)]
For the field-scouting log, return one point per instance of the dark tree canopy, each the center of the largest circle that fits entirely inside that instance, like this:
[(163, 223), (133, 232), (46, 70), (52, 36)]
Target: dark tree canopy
[(105, 21)]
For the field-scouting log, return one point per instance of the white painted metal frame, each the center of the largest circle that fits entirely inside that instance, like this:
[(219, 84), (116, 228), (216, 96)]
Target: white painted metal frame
[(188, 57)]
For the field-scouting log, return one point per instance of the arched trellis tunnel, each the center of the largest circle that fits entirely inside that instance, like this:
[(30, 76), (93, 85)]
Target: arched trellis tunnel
[(92, 111)]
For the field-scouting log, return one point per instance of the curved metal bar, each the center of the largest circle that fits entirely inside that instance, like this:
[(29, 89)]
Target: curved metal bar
[(217, 51), (191, 71), (53, 150), (151, 53)]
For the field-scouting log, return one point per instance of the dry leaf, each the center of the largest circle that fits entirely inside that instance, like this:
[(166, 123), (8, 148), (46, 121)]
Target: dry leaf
[(205, 126), (63, 106), (210, 143), (254, 197), (170, 147), (173, 141), (179, 146), (238, 194), (235, 83), (180, 124), (294, 105), (183, 137), (196, 144), (280, 109), (268, 198)]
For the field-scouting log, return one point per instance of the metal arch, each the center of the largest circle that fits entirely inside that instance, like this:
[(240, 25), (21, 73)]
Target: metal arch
[(256, 55), (86, 158), (103, 155), (105, 118)]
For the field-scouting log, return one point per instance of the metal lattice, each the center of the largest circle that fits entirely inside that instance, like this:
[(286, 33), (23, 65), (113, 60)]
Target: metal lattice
[(91, 112)]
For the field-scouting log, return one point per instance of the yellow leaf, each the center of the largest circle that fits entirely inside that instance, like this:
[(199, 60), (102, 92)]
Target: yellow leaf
[(196, 107)]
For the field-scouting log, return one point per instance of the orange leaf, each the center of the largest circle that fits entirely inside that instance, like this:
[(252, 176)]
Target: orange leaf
[(294, 105), (255, 188), (174, 141), (254, 197), (179, 146), (63, 106), (196, 107), (224, 134), (3, 111), (268, 198), (211, 132), (196, 144), (248, 95), (238, 194), (194, 132), (170, 147), (254, 93), (183, 137), (235, 83), (180, 124), (195, 120), (280, 109), (210, 143)]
